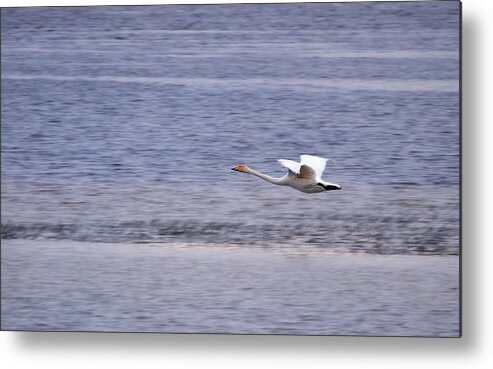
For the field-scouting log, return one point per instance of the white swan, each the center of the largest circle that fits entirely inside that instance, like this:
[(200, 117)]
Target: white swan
[(304, 176)]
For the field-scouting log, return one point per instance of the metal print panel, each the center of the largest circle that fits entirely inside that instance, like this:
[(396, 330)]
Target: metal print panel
[(120, 127)]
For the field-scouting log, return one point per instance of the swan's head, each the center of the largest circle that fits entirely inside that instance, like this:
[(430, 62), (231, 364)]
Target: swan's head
[(240, 168)]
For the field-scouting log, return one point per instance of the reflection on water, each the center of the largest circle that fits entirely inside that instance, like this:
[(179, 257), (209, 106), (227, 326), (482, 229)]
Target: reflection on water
[(122, 125)]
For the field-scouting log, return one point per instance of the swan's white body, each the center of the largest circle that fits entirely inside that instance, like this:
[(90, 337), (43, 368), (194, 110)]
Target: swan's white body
[(304, 176)]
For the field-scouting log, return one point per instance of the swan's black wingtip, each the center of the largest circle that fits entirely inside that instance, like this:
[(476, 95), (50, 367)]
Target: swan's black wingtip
[(330, 187)]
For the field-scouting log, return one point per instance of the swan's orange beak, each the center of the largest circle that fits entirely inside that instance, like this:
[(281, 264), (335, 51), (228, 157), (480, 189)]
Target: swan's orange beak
[(239, 168)]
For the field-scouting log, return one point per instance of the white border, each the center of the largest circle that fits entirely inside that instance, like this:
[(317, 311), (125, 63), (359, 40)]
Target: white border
[(67, 350)]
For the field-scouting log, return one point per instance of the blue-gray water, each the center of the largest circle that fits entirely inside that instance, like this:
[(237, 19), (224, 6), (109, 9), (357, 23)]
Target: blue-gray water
[(121, 124), (119, 129), (66, 285)]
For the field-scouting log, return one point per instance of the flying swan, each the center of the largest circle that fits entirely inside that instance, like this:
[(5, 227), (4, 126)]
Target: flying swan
[(304, 176)]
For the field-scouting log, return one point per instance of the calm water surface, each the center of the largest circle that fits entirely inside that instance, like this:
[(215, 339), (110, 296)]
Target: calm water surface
[(120, 126), (66, 285)]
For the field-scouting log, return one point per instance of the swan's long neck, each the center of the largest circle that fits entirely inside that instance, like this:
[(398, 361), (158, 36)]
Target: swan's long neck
[(265, 177)]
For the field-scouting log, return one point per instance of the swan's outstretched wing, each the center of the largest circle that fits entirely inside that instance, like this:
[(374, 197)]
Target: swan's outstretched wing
[(308, 172), (314, 162), (294, 167)]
